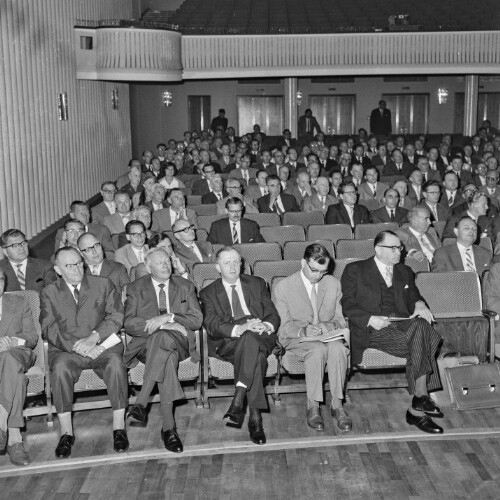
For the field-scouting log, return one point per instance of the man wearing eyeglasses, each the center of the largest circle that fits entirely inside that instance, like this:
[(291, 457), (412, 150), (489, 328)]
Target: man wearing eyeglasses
[(133, 253), (202, 186), (377, 293), (78, 315), (234, 190), (21, 271), (97, 265), (244, 173), (164, 219), (107, 205), (308, 303), (347, 211)]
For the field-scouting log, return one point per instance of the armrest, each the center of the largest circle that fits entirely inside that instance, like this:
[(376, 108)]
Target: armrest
[(490, 314)]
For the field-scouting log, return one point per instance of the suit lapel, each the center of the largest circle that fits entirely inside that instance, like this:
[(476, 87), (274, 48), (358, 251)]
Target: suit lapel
[(344, 214), (148, 295), (7, 315), (222, 297), (66, 294), (372, 277), (105, 269), (84, 293), (455, 258)]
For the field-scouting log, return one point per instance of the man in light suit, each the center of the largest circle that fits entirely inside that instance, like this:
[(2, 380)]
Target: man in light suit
[(260, 189), (428, 174), (244, 174), (276, 201), (234, 190), (234, 229), (347, 211), (18, 337), (241, 322), (492, 190), (162, 314), (116, 222), (308, 303), (372, 189), (78, 315), (21, 271), (431, 193), (107, 205), (133, 253), (419, 239), (376, 289), (321, 200), (96, 264), (303, 189), (164, 219), (390, 212), (463, 255), (189, 251)]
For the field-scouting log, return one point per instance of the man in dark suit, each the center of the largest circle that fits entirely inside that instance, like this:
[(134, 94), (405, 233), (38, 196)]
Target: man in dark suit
[(397, 166), (427, 173), (18, 337), (97, 265), (162, 314), (217, 192), (286, 140), (244, 173), (390, 212), (234, 229), (464, 176), (80, 316), (347, 211), (276, 201), (431, 193), (451, 196), (202, 186), (21, 271), (463, 255), (306, 126), (242, 323), (380, 120), (107, 205), (116, 222), (376, 289)]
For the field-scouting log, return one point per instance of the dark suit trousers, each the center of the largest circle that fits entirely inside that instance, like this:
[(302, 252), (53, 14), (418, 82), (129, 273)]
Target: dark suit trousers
[(418, 342), (161, 355), (14, 363), (66, 367), (249, 355)]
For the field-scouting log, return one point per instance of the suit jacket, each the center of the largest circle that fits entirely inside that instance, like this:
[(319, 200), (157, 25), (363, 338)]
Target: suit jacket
[(457, 200), (209, 198), (287, 200), (221, 233), (433, 175), (100, 231), (487, 225), (411, 242), (142, 305), (115, 271), (290, 144), (253, 192), (126, 256), (149, 204), (337, 214), (99, 212), (465, 177), (161, 220), (236, 174), (391, 169), (39, 274), (189, 258), (200, 187), (295, 192), (413, 195), (380, 123), (448, 258), (17, 320), (361, 299), (295, 309), (378, 162), (313, 203), (494, 198), (366, 193), (217, 314), (64, 322), (114, 223), (381, 215), (313, 126), (443, 212)]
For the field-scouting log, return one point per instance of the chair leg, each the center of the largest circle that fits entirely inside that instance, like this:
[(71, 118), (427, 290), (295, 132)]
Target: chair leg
[(277, 395)]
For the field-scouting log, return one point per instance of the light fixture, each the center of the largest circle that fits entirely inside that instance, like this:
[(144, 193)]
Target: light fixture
[(167, 98), (114, 98), (442, 96), (299, 97), (62, 106)]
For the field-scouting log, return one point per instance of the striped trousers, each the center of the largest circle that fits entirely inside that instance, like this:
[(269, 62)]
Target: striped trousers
[(418, 342)]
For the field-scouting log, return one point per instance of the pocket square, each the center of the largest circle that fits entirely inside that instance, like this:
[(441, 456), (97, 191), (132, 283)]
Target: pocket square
[(406, 286)]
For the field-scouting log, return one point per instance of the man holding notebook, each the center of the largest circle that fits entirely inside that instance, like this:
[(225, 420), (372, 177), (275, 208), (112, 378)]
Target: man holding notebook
[(313, 328)]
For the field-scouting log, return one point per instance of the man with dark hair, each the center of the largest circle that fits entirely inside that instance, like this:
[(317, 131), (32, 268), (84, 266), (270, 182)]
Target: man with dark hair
[(347, 211), (390, 212), (164, 219), (107, 205), (378, 289), (133, 253), (116, 222), (451, 196), (22, 272), (308, 303), (202, 186), (307, 125), (431, 192), (380, 120), (219, 122), (241, 322), (234, 229), (276, 201)]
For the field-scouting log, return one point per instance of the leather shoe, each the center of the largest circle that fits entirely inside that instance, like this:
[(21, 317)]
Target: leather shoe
[(255, 427), (426, 405), (344, 422), (234, 415), (63, 449), (314, 419), (3, 441), (17, 454), (172, 441), (120, 440), (138, 415), (424, 423)]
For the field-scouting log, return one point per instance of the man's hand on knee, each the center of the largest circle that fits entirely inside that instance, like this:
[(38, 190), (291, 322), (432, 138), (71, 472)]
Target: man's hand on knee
[(422, 311), (379, 322)]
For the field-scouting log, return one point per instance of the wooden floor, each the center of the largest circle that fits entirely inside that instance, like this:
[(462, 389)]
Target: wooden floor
[(382, 458)]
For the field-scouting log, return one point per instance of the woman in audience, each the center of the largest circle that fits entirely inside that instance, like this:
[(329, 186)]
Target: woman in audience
[(148, 181), (170, 181)]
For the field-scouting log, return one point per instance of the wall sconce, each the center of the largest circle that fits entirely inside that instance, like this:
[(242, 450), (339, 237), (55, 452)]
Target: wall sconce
[(167, 98), (62, 106), (114, 99), (299, 97), (442, 96)]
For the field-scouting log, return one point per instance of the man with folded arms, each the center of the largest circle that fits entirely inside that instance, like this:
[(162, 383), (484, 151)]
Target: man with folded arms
[(79, 316), (161, 314), (241, 322), (308, 303), (17, 339), (378, 290)]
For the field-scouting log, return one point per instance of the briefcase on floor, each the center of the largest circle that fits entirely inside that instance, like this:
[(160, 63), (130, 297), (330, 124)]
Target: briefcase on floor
[(474, 387)]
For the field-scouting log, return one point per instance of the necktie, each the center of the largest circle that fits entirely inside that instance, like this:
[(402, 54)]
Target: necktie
[(322, 199), (399, 167), (433, 165), (434, 212), (196, 252), (426, 245), (425, 177), (76, 293), (388, 276), (344, 171), (469, 262), (314, 303), (140, 256), (374, 188), (350, 211), (392, 215), (237, 309), (276, 208), (450, 200), (235, 233), (20, 277), (162, 299)]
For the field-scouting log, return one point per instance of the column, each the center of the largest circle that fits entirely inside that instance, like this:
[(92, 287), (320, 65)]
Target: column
[(291, 105), (470, 105)]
